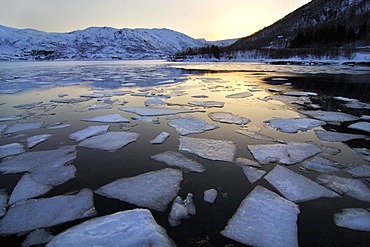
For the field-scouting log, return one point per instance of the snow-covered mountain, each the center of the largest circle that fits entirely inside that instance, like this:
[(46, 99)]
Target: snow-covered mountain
[(93, 43)]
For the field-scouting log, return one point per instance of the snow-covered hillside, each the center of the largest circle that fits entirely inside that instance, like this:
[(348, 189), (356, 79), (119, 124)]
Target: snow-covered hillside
[(93, 43)]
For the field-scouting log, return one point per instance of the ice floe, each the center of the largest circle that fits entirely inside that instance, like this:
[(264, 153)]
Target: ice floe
[(40, 213), (28, 106), (222, 150), (295, 187), (58, 125), (344, 99), (257, 136), (99, 106), (359, 171), (190, 125), (264, 219), (286, 154), (253, 174), (3, 202), (365, 118), (364, 126), (210, 195), (347, 186), (20, 127), (353, 218), (321, 164), (88, 132), (246, 162), (154, 102), (154, 190), (9, 118), (330, 116), (11, 149), (208, 103), (110, 141), (178, 160), (151, 111), (331, 136), (300, 94), (110, 118), (135, 227), (293, 125), (37, 237), (161, 138), (358, 105), (239, 95), (37, 139), (227, 117), (3, 126), (70, 101), (181, 209), (154, 120)]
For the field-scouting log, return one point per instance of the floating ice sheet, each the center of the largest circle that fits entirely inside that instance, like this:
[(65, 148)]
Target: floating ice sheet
[(208, 148), (99, 106), (11, 149), (227, 117), (264, 219), (347, 186), (155, 102), (178, 160), (246, 162), (28, 106), (110, 141), (363, 153), (59, 125), (37, 237), (239, 95), (34, 140), (70, 100), (154, 190), (9, 118), (253, 174), (359, 171), (152, 111), (257, 136), (208, 103), (161, 138), (2, 127), (88, 132), (19, 127), (210, 195), (190, 125), (353, 218), (293, 125), (147, 119), (110, 118), (321, 164), (330, 116), (364, 126), (331, 136), (286, 154), (40, 213), (135, 228), (300, 94), (295, 187), (358, 105), (3, 202)]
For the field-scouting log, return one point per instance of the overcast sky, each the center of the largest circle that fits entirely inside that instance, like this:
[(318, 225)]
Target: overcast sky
[(209, 19)]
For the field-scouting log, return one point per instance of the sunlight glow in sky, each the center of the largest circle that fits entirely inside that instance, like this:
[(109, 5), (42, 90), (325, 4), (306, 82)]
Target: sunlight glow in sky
[(209, 19)]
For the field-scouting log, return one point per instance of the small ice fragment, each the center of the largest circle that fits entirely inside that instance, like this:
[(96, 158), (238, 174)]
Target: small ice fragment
[(135, 227), (151, 111), (208, 148), (331, 136), (110, 118), (190, 125), (208, 103), (253, 174), (28, 106), (154, 190), (330, 116), (178, 212), (365, 118), (161, 138), (92, 96), (110, 141), (89, 132), (287, 154), (11, 149), (293, 125), (99, 106), (199, 96), (364, 126), (37, 237), (353, 218), (19, 127), (40, 213), (154, 120), (3, 202), (227, 117), (9, 118), (210, 195), (70, 101), (358, 105), (106, 93), (178, 160), (299, 94), (295, 187), (321, 164), (264, 219), (34, 140), (246, 162), (189, 204), (363, 153), (239, 95), (59, 125), (359, 171), (257, 136), (155, 102), (347, 186), (62, 95), (344, 99)]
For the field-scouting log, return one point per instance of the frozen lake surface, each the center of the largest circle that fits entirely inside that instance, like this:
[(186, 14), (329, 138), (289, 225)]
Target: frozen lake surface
[(192, 154)]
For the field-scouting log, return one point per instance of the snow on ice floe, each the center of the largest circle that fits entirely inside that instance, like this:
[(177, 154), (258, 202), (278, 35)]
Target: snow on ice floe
[(3, 202), (20, 127), (181, 209), (154, 120), (321, 164), (110, 141), (89, 132), (46, 212), (210, 195), (178, 160), (295, 187), (37, 139), (264, 219), (239, 95), (330, 116), (11, 149), (364, 126), (154, 190), (37, 237), (161, 138), (110, 118), (222, 150), (359, 171), (190, 125), (293, 125), (347, 186), (227, 117), (135, 228), (286, 154), (331, 136), (257, 136), (353, 218), (208, 103), (152, 111)]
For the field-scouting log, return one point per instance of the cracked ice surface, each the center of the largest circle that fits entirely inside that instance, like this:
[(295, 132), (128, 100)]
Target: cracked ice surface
[(264, 219), (134, 228), (110, 141), (34, 140), (227, 117), (331, 136), (347, 186), (208, 148), (110, 118), (287, 154), (11, 149), (154, 190), (330, 116), (152, 111), (190, 125), (89, 132), (353, 218), (40, 213), (293, 125), (19, 127), (178, 160), (295, 187)]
